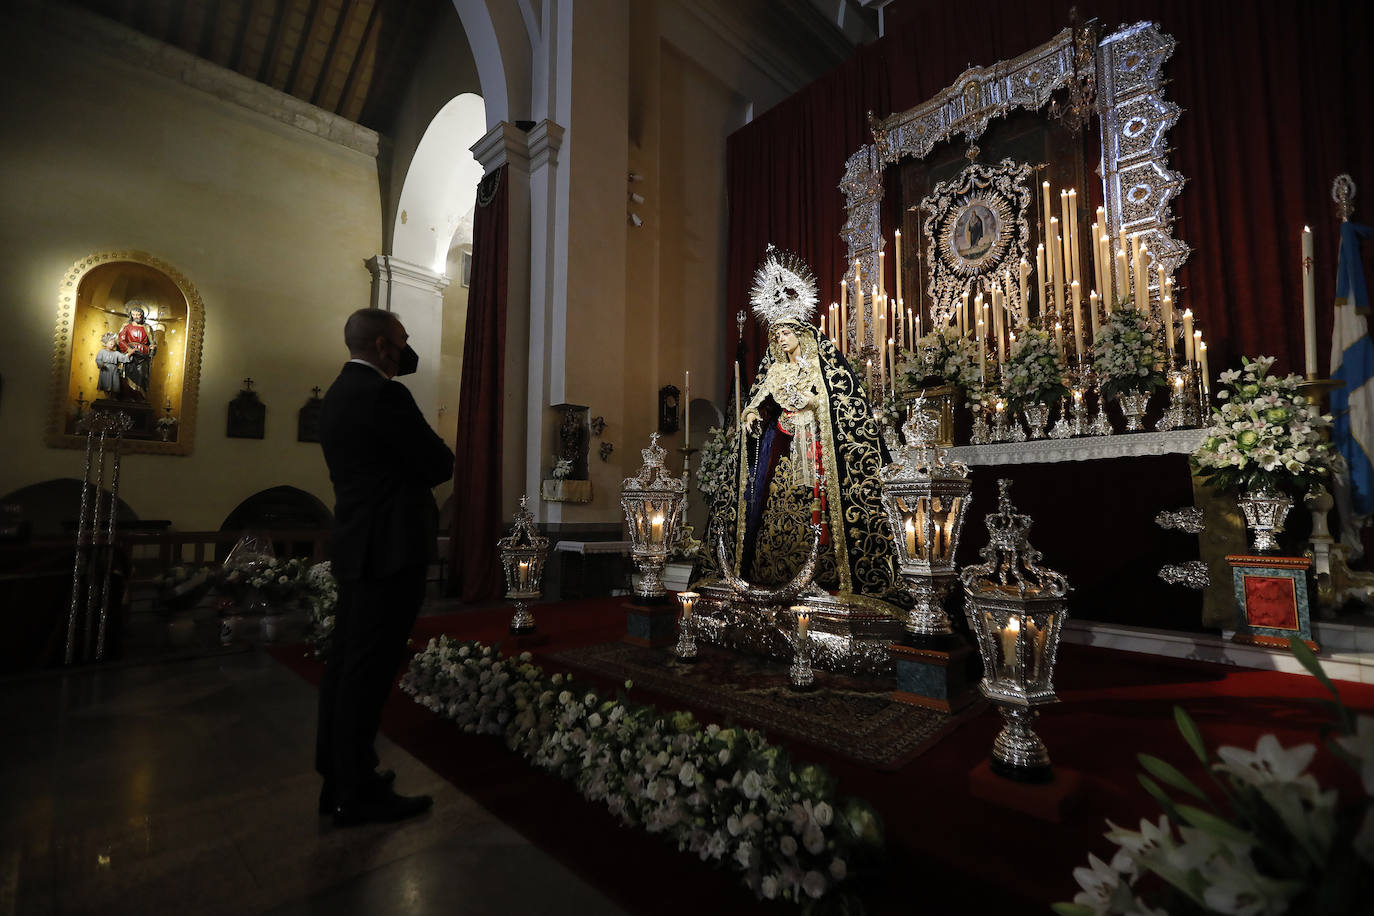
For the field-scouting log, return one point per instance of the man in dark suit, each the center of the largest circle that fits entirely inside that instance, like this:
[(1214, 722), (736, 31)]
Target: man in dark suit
[(383, 459)]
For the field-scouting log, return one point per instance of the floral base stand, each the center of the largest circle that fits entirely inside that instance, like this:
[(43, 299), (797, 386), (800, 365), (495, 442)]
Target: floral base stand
[(1265, 512), (1271, 600), (1133, 405)]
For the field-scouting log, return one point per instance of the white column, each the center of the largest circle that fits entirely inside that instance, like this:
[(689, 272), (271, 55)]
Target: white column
[(416, 295)]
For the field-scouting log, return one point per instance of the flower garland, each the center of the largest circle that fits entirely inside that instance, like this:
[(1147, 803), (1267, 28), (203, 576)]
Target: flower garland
[(322, 594), (713, 473), (1283, 846), (1033, 373), (724, 794), (1264, 435), (1129, 353)]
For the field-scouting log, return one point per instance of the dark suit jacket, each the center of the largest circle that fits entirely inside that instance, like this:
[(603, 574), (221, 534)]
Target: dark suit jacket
[(384, 460)]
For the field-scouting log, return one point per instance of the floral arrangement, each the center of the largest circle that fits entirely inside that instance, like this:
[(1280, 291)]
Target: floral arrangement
[(1128, 353), (322, 597), (1266, 839), (724, 794), (182, 587), (1033, 373), (942, 354), (281, 581), (1264, 435), (713, 473), (562, 467)]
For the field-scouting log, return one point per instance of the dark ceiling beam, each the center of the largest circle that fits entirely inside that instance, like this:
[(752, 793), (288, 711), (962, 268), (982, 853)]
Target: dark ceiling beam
[(307, 33), (355, 65), (247, 10), (322, 79), (207, 30), (387, 54), (274, 36)]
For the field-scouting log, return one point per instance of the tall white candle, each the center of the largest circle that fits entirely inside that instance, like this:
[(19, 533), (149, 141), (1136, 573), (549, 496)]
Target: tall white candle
[(882, 272), (1202, 360), (892, 361), (738, 406), (1045, 204), (687, 409), (1057, 271), (1040, 279), (1024, 302), (1066, 229), (1077, 320), (1122, 274), (1092, 311), (1309, 304), (982, 353), (897, 254), (843, 335), (1188, 354), (1077, 273), (1166, 309), (1059, 337), (1141, 278)]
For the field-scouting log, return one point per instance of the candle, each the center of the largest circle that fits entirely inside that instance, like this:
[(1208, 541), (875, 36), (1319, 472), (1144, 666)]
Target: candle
[(524, 575), (1197, 349), (892, 361), (1166, 309), (738, 407), (687, 600), (1010, 633), (882, 272), (910, 538), (879, 335), (963, 317), (803, 624), (1065, 224), (1045, 203), (1024, 291), (1202, 358), (1077, 321), (982, 354), (868, 376), (1309, 304), (1104, 247), (1053, 253), (843, 336), (1073, 236), (1059, 337), (1188, 353), (1142, 278), (1097, 261), (1092, 310), (997, 324), (1040, 278), (656, 529), (897, 257), (1121, 274), (687, 408)]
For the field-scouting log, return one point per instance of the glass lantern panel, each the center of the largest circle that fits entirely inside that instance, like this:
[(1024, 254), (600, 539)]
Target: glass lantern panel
[(1036, 637)]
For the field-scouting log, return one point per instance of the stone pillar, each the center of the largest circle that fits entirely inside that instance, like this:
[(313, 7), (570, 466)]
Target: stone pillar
[(416, 295)]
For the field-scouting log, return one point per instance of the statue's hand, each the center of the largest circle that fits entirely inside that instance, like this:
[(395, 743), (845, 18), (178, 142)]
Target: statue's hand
[(753, 423)]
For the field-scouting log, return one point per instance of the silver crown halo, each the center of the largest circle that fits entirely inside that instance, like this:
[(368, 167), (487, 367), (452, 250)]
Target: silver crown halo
[(784, 289)]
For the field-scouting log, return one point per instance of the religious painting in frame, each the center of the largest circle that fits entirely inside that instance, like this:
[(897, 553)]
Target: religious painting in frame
[(977, 232), (128, 337)]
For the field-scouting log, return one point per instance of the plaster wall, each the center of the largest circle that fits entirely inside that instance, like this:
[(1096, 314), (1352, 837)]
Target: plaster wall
[(270, 223)]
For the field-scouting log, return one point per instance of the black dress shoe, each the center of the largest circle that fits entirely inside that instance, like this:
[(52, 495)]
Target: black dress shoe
[(382, 782), (382, 809)]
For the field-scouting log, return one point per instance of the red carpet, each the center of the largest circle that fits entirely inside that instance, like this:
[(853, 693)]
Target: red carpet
[(946, 847)]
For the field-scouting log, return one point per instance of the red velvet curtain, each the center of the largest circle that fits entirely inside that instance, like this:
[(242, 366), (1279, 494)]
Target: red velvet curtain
[(473, 561), (1277, 100)]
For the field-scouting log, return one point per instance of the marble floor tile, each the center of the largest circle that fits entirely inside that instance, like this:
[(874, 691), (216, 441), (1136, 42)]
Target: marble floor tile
[(187, 787)]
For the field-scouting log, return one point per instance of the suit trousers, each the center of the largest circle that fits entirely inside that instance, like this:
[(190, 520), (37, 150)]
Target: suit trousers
[(372, 623)]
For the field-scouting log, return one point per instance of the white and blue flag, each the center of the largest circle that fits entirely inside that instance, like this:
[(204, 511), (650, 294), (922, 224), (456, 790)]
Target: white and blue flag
[(1352, 361)]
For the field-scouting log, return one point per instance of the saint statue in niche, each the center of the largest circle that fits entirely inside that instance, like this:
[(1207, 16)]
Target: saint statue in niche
[(809, 454), (136, 339), (111, 362)]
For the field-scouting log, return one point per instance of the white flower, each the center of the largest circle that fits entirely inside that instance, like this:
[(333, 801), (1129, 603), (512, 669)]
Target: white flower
[(769, 887), (688, 775), (823, 814), (838, 869), (788, 845), (813, 882), (753, 785), (813, 838), (1269, 762), (1361, 746), (1100, 883), (594, 720)]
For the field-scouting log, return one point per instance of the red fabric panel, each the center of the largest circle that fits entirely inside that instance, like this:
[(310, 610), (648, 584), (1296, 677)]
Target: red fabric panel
[(1271, 601), (1277, 102), (474, 564)]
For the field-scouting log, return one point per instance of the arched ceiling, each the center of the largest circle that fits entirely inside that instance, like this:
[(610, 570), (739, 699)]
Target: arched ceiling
[(350, 57)]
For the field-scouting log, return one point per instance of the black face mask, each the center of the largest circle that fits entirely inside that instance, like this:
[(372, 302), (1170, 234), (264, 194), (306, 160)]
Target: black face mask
[(408, 361)]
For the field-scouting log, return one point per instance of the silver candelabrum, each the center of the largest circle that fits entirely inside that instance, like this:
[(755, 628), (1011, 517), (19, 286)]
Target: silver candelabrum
[(803, 678)]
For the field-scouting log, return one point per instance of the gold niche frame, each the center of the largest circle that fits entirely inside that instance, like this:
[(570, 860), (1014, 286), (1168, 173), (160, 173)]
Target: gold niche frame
[(91, 302)]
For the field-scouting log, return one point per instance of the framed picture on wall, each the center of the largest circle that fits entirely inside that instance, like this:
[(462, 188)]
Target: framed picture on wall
[(465, 269)]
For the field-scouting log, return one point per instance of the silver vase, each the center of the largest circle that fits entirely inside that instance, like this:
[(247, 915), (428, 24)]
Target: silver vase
[(1037, 415), (1133, 407), (1265, 512)]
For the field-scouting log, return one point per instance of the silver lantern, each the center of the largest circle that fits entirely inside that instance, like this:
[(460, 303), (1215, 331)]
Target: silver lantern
[(1016, 610), (652, 501), (523, 552), (927, 498)]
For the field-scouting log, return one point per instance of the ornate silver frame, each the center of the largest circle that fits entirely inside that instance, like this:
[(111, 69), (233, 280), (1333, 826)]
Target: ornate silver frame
[(1133, 115)]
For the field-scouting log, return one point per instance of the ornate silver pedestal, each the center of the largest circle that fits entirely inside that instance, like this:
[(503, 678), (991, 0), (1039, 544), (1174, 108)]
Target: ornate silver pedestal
[(927, 616), (802, 676), (1017, 749)]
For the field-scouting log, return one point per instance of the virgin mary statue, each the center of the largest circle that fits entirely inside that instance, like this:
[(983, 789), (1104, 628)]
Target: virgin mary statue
[(809, 453)]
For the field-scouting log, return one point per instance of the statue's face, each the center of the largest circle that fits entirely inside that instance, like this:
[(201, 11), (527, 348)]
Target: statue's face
[(787, 341), (136, 315)]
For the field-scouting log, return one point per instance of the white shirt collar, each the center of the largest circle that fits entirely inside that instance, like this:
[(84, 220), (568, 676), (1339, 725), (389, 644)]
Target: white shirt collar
[(363, 362)]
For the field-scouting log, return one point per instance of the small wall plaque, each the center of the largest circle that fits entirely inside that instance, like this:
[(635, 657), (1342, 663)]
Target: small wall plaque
[(669, 399), (247, 414), (308, 420)]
